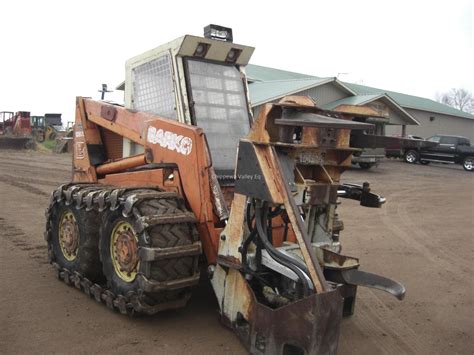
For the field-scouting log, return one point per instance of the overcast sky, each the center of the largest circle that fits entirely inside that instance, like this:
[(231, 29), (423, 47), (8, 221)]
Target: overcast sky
[(53, 51)]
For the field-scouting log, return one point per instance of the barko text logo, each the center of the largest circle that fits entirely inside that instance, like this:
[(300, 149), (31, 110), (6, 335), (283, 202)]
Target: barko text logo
[(170, 140)]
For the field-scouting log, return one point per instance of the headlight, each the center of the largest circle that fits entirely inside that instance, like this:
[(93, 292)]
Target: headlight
[(218, 32), (201, 50), (233, 55)]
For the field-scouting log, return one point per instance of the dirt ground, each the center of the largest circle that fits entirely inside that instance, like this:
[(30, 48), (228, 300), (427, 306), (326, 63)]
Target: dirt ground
[(422, 237)]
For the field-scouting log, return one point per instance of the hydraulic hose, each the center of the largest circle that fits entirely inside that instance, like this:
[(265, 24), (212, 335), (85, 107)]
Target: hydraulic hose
[(298, 268), (249, 216), (298, 263)]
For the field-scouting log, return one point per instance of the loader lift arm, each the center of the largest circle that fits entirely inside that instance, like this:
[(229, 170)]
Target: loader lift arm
[(164, 141)]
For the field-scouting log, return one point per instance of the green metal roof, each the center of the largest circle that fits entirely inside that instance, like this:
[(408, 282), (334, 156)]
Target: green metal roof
[(352, 100), (413, 102), (258, 74), (267, 91)]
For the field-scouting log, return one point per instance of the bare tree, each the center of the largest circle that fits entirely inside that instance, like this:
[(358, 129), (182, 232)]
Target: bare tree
[(457, 98)]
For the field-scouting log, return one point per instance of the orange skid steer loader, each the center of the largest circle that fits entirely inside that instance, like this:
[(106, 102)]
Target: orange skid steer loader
[(186, 171)]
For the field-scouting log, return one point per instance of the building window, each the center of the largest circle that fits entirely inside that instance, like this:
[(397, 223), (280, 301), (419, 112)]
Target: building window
[(432, 118)]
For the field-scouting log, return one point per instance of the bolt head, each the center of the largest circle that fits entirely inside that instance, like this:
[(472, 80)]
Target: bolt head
[(210, 271)]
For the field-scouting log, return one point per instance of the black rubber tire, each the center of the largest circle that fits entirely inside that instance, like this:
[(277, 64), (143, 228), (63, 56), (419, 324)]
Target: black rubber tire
[(162, 236), (366, 166), (30, 144), (87, 261), (39, 136), (411, 156), (116, 284), (468, 163)]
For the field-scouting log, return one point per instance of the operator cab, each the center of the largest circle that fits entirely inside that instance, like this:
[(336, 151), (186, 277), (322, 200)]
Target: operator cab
[(198, 81), (37, 121)]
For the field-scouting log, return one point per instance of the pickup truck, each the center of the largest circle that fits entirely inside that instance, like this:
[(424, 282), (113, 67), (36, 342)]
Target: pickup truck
[(372, 147), (450, 150)]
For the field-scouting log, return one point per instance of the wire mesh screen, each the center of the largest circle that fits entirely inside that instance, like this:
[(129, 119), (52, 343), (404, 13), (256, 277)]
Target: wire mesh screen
[(220, 108), (153, 87)]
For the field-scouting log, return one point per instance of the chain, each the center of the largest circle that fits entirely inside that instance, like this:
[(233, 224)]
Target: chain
[(98, 198)]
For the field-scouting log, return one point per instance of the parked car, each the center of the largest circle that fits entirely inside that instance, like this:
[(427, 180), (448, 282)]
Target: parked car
[(395, 150), (450, 150)]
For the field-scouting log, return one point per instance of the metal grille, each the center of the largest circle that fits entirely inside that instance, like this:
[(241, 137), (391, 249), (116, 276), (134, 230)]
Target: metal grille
[(113, 144), (153, 89), (220, 108)]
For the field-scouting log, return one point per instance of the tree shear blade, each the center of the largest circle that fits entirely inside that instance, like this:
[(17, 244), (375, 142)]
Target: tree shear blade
[(362, 278)]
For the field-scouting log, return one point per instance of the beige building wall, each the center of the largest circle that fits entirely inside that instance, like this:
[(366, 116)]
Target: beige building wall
[(432, 123)]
